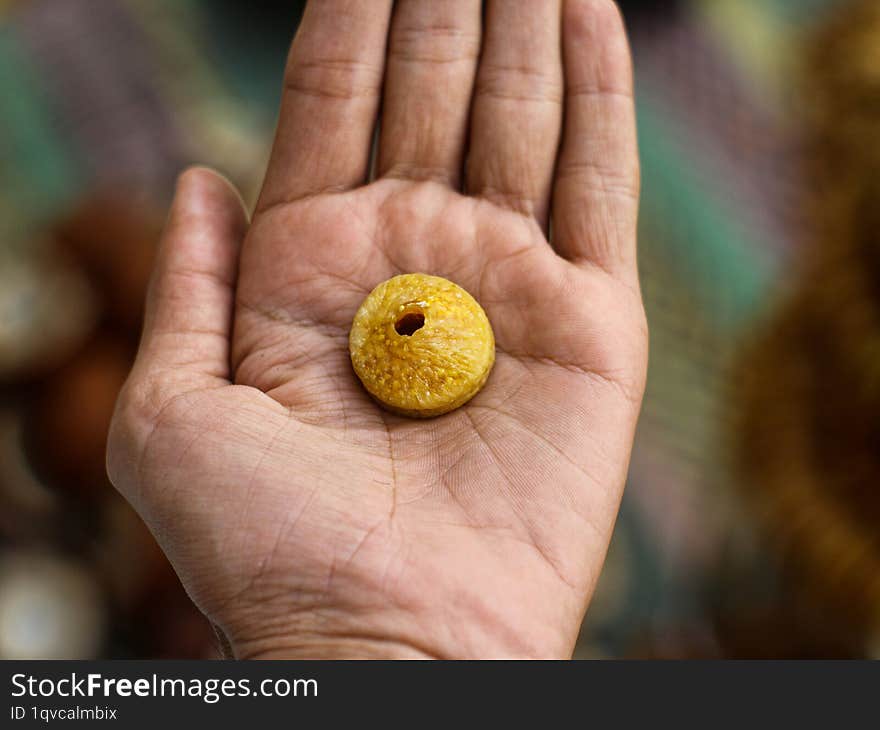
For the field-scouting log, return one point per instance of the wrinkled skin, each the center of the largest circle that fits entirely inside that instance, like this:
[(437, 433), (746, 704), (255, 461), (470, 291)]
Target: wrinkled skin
[(302, 519)]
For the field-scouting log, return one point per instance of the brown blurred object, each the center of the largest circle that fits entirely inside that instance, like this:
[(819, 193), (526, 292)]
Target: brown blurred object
[(112, 237), (115, 239), (47, 310), (68, 423), (28, 508), (174, 627), (133, 565), (809, 437), (144, 589), (778, 631)]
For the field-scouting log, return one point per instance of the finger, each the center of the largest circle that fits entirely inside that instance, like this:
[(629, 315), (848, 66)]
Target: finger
[(517, 107), (188, 316), (595, 198), (330, 100), (429, 77)]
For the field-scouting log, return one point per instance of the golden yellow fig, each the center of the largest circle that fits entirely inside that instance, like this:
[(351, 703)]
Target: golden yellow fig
[(421, 345)]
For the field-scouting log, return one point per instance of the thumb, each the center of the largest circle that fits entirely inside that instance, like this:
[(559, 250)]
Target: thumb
[(188, 317)]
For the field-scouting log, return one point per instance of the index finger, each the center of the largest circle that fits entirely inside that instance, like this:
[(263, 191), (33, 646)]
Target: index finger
[(330, 100)]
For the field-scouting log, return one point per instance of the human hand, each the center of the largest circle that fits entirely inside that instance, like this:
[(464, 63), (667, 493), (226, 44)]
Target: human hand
[(303, 519)]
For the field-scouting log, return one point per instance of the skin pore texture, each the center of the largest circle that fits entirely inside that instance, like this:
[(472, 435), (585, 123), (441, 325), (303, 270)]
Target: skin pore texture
[(304, 520)]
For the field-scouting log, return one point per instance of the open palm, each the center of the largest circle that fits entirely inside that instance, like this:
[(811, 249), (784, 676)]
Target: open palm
[(304, 520)]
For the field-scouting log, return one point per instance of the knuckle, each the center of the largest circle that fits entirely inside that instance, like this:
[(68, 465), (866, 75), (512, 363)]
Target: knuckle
[(138, 403), (122, 441), (598, 178), (134, 418), (519, 83), (332, 78), (433, 43)]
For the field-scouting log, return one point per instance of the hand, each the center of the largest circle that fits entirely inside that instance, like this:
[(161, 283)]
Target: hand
[(302, 519)]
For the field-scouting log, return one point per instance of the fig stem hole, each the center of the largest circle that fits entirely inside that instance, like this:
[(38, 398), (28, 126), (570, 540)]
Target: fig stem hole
[(409, 322)]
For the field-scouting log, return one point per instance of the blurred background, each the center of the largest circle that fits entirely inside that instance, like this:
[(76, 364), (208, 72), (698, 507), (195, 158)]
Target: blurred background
[(750, 522)]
